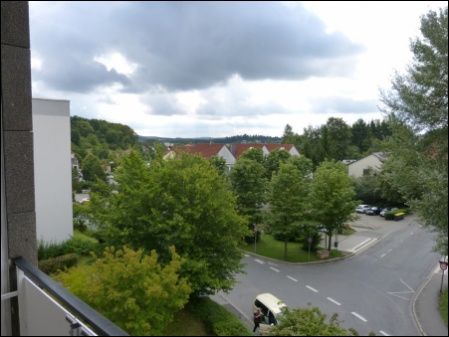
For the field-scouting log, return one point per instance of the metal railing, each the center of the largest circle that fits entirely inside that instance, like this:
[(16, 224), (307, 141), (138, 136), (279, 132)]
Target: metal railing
[(47, 308)]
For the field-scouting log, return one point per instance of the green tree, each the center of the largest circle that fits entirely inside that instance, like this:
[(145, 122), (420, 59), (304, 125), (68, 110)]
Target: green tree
[(288, 202), (92, 169), (131, 289), (254, 154), (336, 138), (182, 202), (361, 136), (309, 322), (274, 160), (303, 164), (220, 164), (250, 187), (312, 146), (331, 197), (418, 103)]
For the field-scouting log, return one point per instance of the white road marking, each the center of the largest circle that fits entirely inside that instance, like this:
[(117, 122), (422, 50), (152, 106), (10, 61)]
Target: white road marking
[(359, 316), (313, 289), (389, 251), (274, 269), (246, 255), (292, 278), (383, 333), (333, 301), (409, 288), (383, 255), (259, 261), (360, 244)]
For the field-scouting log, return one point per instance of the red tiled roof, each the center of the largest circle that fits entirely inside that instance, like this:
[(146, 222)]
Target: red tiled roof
[(274, 147), (206, 150), (239, 149)]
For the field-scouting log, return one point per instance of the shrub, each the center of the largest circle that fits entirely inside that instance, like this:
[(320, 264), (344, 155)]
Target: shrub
[(217, 319), (79, 244), (52, 265), (131, 289)]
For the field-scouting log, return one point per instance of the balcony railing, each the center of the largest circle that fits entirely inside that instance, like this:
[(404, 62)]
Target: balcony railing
[(47, 309)]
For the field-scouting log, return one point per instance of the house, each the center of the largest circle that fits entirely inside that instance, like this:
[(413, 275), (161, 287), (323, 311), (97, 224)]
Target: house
[(290, 148), (205, 150), (238, 149), (52, 169), (363, 167)]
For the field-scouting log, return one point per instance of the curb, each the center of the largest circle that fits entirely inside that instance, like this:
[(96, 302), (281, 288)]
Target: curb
[(415, 298), (335, 259)]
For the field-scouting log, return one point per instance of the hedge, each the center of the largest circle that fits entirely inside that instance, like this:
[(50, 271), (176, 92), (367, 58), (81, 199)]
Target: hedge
[(218, 320), (52, 265), (78, 244)]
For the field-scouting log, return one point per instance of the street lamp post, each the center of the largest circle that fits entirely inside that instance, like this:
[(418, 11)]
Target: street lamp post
[(443, 266)]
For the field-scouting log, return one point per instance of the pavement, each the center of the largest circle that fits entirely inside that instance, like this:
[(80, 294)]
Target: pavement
[(426, 305), (369, 230), (373, 291)]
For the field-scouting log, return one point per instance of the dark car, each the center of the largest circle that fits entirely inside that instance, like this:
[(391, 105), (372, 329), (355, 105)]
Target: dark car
[(373, 211)]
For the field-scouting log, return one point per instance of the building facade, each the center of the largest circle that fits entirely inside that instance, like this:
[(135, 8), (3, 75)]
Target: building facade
[(52, 169)]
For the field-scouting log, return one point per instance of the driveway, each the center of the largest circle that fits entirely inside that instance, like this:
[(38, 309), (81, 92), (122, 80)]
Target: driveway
[(371, 291)]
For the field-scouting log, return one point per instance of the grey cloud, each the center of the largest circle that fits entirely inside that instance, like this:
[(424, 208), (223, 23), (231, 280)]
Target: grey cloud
[(162, 104), (344, 105), (184, 45)]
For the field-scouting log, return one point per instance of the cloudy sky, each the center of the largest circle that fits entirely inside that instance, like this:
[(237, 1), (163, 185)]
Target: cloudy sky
[(195, 69)]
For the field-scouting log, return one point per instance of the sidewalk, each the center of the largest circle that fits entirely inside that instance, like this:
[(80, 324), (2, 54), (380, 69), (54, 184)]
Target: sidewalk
[(426, 306)]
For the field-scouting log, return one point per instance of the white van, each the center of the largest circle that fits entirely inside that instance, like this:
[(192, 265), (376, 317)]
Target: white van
[(271, 307)]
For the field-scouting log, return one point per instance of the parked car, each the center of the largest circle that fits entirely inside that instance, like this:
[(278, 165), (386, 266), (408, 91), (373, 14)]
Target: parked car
[(362, 208), (373, 211), (271, 307), (386, 210)]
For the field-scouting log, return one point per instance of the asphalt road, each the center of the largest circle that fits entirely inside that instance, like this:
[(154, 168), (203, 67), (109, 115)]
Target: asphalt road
[(371, 292)]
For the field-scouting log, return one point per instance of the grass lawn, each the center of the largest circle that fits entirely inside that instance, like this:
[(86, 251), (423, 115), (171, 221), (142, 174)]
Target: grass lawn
[(443, 306), (269, 247), (186, 324)]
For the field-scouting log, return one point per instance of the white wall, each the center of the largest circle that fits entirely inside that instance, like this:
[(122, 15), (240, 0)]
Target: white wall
[(371, 162), (52, 169), (227, 156), (294, 152)]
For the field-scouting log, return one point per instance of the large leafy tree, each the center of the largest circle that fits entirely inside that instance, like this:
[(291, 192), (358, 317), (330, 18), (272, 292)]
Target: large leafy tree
[(336, 136), (131, 288), (92, 169), (250, 186), (331, 197), (183, 202), (288, 202), (274, 161), (309, 322), (254, 154), (418, 102)]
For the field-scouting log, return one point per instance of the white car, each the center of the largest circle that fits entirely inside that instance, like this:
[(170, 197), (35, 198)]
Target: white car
[(271, 307), (362, 208)]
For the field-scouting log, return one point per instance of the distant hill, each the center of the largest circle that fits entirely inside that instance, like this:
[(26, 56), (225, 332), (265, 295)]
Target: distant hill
[(223, 140), (99, 137)]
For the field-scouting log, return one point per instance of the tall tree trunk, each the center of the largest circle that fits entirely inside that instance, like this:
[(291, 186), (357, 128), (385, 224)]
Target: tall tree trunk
[(329, 245), (285, 249)]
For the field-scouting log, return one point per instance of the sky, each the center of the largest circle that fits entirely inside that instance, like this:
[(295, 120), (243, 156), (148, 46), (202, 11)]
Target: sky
[(214, 69)]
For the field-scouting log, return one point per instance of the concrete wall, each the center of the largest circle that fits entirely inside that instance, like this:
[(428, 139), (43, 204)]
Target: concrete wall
[(52, 169), (18, 224), (17, 130), (356, 169)]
